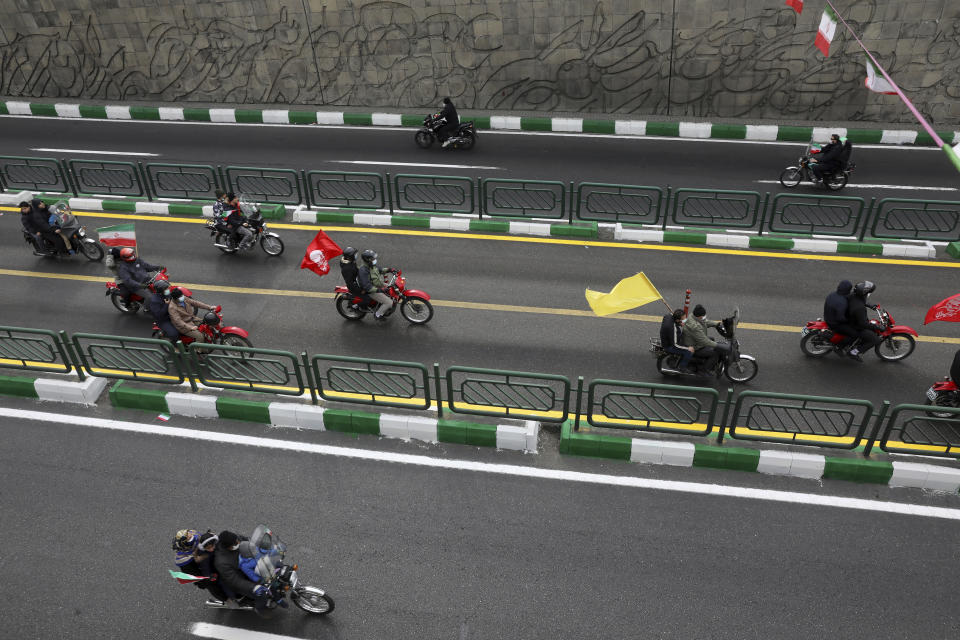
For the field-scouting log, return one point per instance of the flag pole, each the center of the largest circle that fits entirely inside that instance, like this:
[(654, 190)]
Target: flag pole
[(916, 114)]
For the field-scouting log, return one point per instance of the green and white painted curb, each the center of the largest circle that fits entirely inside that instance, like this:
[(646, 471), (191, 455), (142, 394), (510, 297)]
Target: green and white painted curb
[(52, 389), (677, 129), (518, 437), (778, 462)]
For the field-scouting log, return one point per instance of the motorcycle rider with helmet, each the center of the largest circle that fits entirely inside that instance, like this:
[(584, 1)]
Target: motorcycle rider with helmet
[(857, 312), (370, 277), (133, 273), (158, 306), (181, 309), (828, 159), (193, 554), (836, 313)]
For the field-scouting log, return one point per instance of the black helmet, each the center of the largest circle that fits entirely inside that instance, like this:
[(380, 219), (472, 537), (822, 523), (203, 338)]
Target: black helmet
[(350, 253), (211, 318), (864, 288), (161, 286), (368, 255)]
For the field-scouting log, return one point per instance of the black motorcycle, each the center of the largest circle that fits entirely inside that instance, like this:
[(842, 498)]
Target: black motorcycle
[(464, 138), (832, 180), (73, 233), (738, 367), (225, 240)]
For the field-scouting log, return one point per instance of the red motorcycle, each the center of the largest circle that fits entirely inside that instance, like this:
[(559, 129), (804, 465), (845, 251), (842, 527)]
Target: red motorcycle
[(212, 328), (896, 340), (135, 302), (414, 304), (944, 394)]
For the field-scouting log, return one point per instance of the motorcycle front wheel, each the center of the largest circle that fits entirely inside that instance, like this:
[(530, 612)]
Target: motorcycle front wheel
[(129, 307), (233, 340), (271, 244), (791, 177), (91, 250), (947, 400), (813, 344), (837, 182), (312, 600), (345, 308), (742, 370), (223, 238), (416, 310), (896, 346), (424, 139)]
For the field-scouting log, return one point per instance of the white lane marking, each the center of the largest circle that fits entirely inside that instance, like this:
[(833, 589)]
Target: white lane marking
[(851, 185), (101, 153), (415, 164), (791, 497), (207, 630)]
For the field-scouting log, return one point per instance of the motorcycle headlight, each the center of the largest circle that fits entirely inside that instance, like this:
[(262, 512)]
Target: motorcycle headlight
[(294, 580)]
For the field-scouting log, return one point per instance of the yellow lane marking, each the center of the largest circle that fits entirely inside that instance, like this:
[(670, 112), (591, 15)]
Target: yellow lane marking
[(556, 241), (456, 304)]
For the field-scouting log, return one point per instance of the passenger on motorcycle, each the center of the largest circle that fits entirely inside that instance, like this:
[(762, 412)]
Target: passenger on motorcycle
[(158, 305), (671, 333), (857, 312), (836, 313), (448, 113), (237, 222), (828, 160), (35, 218), (695, 335), (219, 204), (181, 309), (133, 273), (194, 555), (226, 562), (370, 277), (349, 272)]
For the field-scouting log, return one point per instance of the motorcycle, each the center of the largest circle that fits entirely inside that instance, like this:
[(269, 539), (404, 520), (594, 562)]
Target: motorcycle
[(212, 328), (832, 180), (944, 394), (738, 367), (414, 304), (283, 582), (72, 231), (224, 238), (135, 303), (465, 137), (897, 341)]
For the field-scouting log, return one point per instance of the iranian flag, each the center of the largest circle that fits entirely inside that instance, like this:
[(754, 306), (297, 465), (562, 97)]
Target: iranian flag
[(828, 28), (121, 235), (796, 5), (875, 80), (185, 578)]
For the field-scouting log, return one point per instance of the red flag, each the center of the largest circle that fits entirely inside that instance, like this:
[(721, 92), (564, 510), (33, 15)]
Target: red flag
[(319, 254), (796, 5), (947, 310)]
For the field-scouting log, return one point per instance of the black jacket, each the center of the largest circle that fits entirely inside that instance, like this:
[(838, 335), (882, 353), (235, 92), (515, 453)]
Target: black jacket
[(234, 217), (449, 112), (836, 305), (670, 331), (829, 156), (857, 312), (227, 565), (37, 221), (134, 274), (349, 271)]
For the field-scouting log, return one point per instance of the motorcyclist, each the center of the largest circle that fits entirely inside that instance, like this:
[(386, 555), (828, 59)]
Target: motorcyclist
[(835, 313), (226, 562), (194, 555), (219, 205), (695, 335), (133, 273), (158, 305), (237, 222), (370, 277), (671, 332), (349, 271), (181, 310), (857, 312), (828, 159), (29, 225), (36, 220), (448, 113)]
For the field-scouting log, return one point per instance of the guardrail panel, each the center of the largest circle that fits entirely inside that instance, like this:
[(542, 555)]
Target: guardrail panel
[(346, 189), (281, 186), (618, 203), (249, 368), (441, 194), (386, 383), (838, 423), (33, 174), (911, 429), (837, 215), (647, 406), (916, 219), (523, 198), (128, 358), (508, 394), (716, 208), (181, 180), (33, 350), (107, 177)]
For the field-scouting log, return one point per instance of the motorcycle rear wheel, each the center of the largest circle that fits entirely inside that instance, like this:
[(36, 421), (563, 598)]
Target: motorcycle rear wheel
[(791, 177), (662, 363), (944, 400), (896, 346), (742, 370), (345, 308), (416, 310), (233, 340), (312, 600), (424, 139), (271, 245), (467, 141), (91, 250), (837, 182), (130, 307), (814, 345), (224, 238)]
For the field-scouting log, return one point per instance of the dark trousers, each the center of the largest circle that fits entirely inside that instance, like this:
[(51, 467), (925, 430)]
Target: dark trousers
[(710, 355), (819, 171), (868, 339), (685, 355), (848, 331), (446, 131)]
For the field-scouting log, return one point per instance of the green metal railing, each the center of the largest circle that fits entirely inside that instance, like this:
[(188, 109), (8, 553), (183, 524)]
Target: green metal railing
[(34, 174), (716, 208), (386, 383), (512, 394), (440, 194), (618, 203), (916, 219), (33, 350), (913, 429), (523, 198), (106, 177), (345, 189), (181, 180), (249, 368), (644, 406), (281, 186), (803, 213), (144, 359)]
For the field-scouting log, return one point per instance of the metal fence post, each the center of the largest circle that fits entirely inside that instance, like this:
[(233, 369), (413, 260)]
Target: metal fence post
[(389, 193), (306, 187), (181, 353), (876, 428), (439, 389), (143, 179), (570, 200), (224, 185), (576, 415), (726, 414), (665, 203), (74, 361), (763, 213), (69, 180), (866, 219), (306, 368), (479, 198)]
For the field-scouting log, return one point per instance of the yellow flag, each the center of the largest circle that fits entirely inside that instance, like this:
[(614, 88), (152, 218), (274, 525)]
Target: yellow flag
[(629, 293)]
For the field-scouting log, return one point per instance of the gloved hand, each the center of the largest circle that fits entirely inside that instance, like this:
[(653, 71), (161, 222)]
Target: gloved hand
[(261, 590)]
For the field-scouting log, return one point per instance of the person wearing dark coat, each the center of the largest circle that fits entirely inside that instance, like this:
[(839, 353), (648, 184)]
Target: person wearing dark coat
[(835, 313), (671, 333), (857, 312), (159, 309), (133, 273), (37, 222), (226, 562), (829, 157), (449, 113)]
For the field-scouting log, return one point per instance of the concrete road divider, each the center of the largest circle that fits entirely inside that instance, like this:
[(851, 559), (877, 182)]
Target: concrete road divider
[(53, 389)]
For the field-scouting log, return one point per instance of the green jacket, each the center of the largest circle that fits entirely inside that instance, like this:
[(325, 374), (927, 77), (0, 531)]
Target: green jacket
[(695, 333)]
